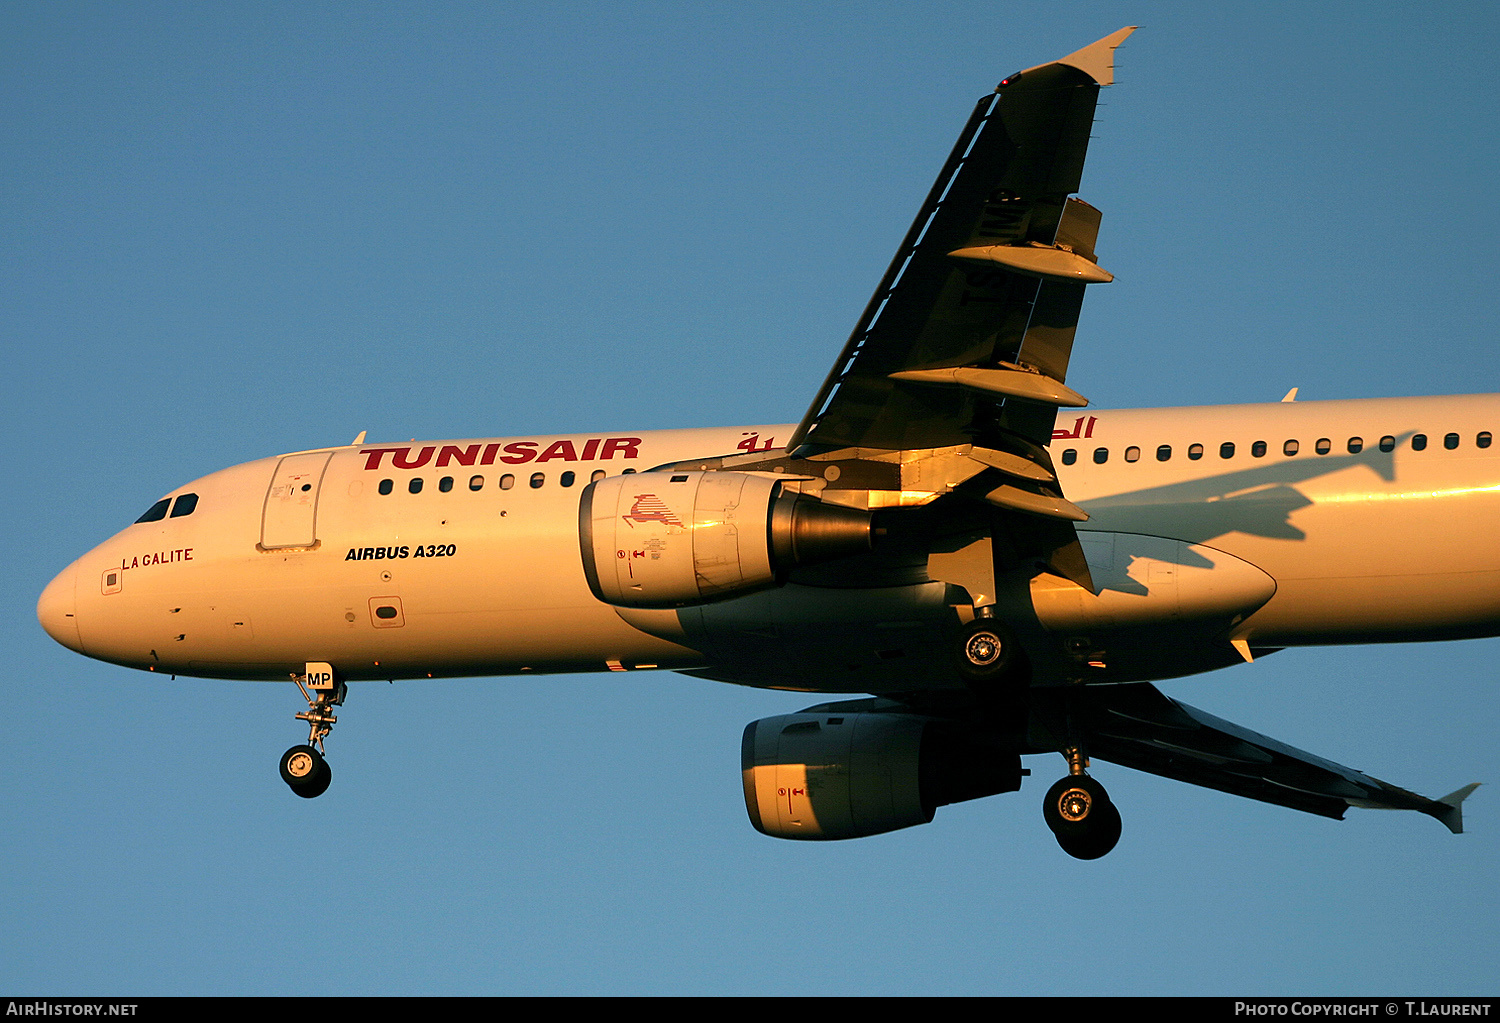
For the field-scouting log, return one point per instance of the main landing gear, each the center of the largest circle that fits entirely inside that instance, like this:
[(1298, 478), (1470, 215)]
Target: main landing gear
[(1079, 812), (987, 651), (303, 767)]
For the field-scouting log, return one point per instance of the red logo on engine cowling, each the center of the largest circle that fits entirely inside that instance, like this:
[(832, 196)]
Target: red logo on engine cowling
[(650, 508)]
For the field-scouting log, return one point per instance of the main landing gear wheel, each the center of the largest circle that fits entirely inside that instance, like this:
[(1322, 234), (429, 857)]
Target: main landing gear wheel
[(305, 771), (986, 651), (1081, 816)]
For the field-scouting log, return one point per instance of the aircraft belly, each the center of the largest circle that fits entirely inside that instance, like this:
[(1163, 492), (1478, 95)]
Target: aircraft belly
[(485, 608), (1379, 609), (812, 639), (540, 641)]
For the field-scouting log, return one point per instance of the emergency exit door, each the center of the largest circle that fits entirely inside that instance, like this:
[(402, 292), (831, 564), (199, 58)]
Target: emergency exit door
[(290, 518)]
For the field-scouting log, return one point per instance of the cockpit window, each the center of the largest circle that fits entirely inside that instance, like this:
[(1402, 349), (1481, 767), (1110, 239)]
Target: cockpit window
[(156, 512), (184, 505)]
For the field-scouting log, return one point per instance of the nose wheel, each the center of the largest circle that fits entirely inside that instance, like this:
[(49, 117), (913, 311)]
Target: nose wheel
[(303, 768)]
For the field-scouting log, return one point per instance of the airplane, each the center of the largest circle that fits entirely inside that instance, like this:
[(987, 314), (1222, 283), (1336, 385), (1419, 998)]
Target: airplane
[(979, 565)]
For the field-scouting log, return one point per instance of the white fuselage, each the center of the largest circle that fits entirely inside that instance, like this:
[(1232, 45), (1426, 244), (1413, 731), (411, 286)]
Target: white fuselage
[(302, 558)]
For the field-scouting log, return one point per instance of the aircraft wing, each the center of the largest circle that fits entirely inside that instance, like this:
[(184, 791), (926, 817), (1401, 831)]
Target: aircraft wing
[(1137, 726), (967, 338)]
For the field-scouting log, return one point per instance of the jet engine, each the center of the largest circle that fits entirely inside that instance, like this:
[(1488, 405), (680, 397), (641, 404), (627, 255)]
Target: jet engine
[(846, 775), (677, 539)]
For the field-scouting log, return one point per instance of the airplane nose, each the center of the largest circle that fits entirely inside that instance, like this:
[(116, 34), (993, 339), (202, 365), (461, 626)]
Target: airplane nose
[(57, 609)]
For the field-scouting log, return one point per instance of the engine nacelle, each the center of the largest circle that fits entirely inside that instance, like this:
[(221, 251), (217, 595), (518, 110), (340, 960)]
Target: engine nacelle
[(676, 539), (832, 775)]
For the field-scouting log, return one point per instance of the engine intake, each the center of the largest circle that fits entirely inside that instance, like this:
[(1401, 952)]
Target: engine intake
[(677, 539)]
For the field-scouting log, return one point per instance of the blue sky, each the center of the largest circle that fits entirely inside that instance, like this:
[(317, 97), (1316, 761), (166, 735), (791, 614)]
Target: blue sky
[(228, 231)]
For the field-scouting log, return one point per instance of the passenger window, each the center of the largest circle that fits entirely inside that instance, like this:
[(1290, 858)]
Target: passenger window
[(1323, 446), (626, 472), (1356, 445), (184, 505), (596, 476), (567, 478), (1226, 450), (1195, 452), (537, 479), (1132, 454), (1450, 442), (1258, 449), (507, 481), (386, 486), (1289, 448), (415, 485), (476, 482), (1483, 440), (445, 484), (1070, 455), (1164, 452), (1101, 455), (1419, 442), (1388, 443), (156, 512)]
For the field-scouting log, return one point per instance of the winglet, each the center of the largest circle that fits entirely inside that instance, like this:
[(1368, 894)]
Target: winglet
[(1097, 60), (1451, 812)]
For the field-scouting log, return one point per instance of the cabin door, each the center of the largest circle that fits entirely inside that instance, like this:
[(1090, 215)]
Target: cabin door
[(291, 511)]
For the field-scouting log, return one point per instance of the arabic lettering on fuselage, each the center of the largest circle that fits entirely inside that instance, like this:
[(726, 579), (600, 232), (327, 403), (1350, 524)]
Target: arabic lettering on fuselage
[(1083, 428)]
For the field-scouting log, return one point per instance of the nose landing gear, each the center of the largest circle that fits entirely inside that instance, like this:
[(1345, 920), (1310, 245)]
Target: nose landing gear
[(303, 767), (1079, 812)]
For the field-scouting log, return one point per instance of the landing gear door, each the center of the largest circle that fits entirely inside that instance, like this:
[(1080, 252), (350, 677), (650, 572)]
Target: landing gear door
[(290, 515)]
